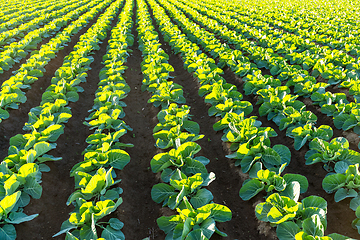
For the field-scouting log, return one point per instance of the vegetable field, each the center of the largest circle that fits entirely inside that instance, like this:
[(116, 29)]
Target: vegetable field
[(174, 119)]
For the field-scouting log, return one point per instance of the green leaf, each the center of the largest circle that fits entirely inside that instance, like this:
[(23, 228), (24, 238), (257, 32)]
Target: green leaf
[(313, 226), (355, 202), (8, 232), (284, 153), (333, 182), (292, 191), (161, 191), (116, 223), (20, 217), (201, 198), (118, 158), (287, 230), (53, 132), (168, 224), (112, 234), (66, 226), (86, 232), (262, 210), (250, 189), (160, 161), (4, 114), (219, 213), (33, 188), (304, 184), (336, 236), (196, 235), (314, 201), (191, 127), (343, 193), (42, 148), (8, 202)]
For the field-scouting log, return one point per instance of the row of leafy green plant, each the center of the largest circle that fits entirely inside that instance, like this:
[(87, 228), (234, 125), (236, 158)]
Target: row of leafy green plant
[(184, 175), (12, 90), (97, 194), (306, 219), (11, 35), (21, 170), (15, 51), (320, 26), (22, 13), (329, 65), (335, 153)]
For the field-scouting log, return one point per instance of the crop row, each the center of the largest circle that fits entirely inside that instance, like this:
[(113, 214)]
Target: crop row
[(184, 175), (345, 112), (22, 169), (321, 27), (11, 93), (248, 152), (96, 194), (195, 30)]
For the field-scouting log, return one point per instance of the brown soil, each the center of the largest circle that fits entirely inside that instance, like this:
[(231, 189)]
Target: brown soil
[(138, 211)]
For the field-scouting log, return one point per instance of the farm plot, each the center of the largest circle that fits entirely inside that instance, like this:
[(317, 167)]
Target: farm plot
[(172, 119)]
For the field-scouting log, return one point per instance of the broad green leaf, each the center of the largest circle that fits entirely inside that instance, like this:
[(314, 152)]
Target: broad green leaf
[(287, 230), (304, 184), (118, 158), (168, 224), (8, 202), (8, 232), (86, 232), (314, 201), (343, 193), (112, 234), (20, 217), (250, 189), (161, 191), (313, 226), (33, 188), (201, 198), (42, 148), (292, 191), (116, 223), (66, 226), (333, 182), (284, 153), (219, 213)]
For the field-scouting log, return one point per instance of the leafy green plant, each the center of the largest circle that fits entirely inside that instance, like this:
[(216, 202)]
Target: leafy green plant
[(308, 132), (182, 186), (345, 183), (260, 151), (331, 153), (290, 185), (193, 223), (182, 157)]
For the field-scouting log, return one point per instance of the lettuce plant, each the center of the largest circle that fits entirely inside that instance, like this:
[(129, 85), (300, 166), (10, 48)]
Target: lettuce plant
[(182, 157), (260, 151), (290, 185), (345, 183), (193, 223), (308, 132), (180, 185), (331, 153)]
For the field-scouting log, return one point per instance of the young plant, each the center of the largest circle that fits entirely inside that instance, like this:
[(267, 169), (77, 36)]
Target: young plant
[(193, 223), (331, 153)]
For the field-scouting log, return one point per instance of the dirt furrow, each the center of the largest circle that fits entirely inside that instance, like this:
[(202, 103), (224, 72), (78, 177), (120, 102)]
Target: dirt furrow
[(139, 212)]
